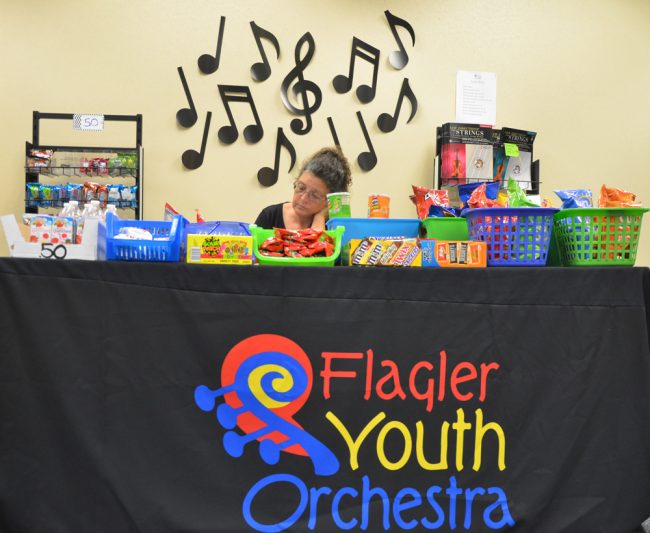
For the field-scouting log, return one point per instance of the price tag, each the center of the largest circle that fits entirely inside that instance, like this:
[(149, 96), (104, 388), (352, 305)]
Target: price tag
[(48, 251), (88, 122), (512, 150)]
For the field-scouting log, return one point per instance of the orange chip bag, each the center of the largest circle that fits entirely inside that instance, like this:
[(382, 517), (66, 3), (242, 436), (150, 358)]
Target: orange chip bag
[(479, 198), (613, 197), (425, 198)]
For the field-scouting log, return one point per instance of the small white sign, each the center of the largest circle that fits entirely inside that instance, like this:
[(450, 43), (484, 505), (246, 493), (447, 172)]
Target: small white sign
[(88, 122), (476, 97)]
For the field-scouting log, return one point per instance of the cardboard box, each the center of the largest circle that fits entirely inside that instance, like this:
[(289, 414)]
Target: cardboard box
[(417, 253), (220, 249)]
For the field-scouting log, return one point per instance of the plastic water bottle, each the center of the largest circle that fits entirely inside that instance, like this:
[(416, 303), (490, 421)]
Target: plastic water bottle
[(91, 210)]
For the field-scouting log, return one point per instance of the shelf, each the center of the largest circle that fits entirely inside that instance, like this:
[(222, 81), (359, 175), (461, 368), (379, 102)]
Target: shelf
[(48, 166), (31, 204), (83, 172)]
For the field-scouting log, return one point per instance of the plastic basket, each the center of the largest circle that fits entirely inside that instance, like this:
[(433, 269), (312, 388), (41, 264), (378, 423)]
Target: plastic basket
[(515, 236), (359, 228), (217, 227), (446, 228), (165, 247), (598, 236), (261, 234)]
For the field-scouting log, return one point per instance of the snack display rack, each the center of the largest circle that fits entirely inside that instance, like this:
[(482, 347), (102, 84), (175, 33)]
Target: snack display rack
[(65, 165)]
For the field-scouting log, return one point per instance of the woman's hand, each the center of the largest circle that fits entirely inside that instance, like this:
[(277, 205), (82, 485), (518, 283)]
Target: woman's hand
[(320, 219)]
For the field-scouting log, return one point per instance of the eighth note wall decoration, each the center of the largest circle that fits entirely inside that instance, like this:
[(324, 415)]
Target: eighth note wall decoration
[(269, 176), (387, 122), (261, 71), (399, 58), (301, 96)]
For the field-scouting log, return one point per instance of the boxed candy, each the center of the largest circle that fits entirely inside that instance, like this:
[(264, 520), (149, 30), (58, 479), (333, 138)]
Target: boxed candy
[(417, 253), (218, 242), (220, 249)]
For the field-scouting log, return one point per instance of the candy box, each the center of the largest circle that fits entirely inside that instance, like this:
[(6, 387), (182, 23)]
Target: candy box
[(417, 253), (40, 228), (453, 254), (63, 230), (220, 249), (373, 251)]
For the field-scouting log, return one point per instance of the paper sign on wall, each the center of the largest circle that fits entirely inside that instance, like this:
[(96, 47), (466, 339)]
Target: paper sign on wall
[(476, 97), (88, 122)]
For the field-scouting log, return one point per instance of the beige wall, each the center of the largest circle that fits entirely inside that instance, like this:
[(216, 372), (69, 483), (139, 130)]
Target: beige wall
[(577, 72)]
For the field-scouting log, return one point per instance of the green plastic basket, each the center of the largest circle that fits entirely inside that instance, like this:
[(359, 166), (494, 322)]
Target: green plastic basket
[(261, 234), (598, 236), (446, 228)]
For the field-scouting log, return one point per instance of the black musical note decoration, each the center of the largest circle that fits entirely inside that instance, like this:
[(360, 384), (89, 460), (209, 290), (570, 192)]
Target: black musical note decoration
[(261, 71), (186, 116), (342, 83), (210, 63), (193, 159), (367, 160), (269, 176), (302, 88), (386, 122), (239, 93), (399, 58), (330, 122)]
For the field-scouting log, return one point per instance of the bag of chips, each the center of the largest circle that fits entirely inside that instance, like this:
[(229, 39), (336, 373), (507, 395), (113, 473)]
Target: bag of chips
[(572, 198), (613, 197), (517, 197), (425, 199)]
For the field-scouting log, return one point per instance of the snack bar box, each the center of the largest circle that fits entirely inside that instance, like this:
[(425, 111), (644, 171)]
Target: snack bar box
[(417, 253), (218, 242), (220, 249)]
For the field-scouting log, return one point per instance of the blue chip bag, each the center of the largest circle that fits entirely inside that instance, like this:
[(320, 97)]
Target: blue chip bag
[(440, 211), (572, 198)]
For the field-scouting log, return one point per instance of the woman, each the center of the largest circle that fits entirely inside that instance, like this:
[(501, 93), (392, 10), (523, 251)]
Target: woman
[(326, 171)]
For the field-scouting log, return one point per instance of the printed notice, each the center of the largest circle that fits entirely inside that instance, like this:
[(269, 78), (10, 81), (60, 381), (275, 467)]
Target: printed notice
[(476, 97)]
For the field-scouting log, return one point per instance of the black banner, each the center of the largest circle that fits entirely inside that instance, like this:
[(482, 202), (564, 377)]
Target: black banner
[(168, 398)]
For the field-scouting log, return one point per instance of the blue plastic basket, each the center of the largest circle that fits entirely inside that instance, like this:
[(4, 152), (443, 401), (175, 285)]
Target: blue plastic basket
[(165, 246), (515, 236), (217, 227), (359, 228)]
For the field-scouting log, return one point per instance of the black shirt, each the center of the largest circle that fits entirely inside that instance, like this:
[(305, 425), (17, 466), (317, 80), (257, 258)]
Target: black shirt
[(271, 217)]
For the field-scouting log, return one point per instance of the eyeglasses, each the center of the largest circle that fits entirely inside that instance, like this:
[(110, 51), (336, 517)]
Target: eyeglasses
[(301, 189)]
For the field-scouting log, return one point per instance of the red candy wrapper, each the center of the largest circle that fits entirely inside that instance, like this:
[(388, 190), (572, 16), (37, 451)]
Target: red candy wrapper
[(298, 243)]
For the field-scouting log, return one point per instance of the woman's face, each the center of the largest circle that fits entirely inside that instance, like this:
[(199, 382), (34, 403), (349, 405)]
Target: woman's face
[(309, 194)]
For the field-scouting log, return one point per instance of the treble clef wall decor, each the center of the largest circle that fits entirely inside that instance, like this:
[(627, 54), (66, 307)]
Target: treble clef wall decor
[(305, 89)]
